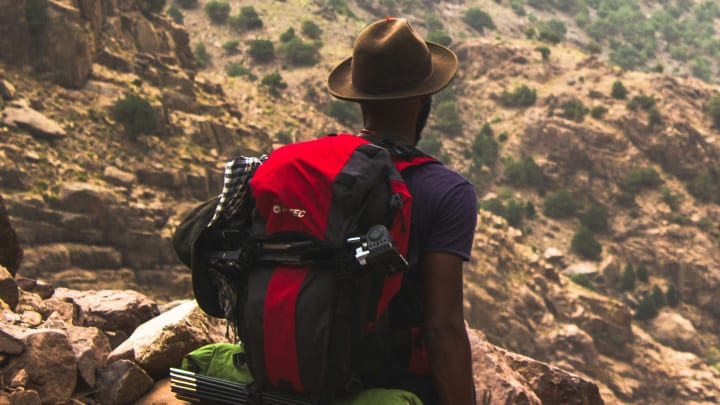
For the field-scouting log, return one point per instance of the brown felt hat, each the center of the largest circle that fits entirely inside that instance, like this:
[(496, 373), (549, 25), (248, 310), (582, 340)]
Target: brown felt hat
[(391, 61)]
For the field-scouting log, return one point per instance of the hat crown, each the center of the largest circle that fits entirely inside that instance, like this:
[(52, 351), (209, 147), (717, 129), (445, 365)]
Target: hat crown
[(389, 55)]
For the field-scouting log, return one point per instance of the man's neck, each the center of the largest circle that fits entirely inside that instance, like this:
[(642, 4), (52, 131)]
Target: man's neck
[(400, 132)]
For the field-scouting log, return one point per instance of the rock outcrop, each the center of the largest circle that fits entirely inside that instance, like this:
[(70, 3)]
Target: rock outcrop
[(10, 251)]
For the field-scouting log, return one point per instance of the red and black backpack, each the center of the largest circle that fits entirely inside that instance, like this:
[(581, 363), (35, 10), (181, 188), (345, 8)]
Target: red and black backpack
[(312, 261)]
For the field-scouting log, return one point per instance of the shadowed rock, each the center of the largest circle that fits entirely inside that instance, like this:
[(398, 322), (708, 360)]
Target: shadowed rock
[(10, 251)]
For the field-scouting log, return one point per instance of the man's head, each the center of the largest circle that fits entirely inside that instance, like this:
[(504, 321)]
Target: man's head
[(392, 62)]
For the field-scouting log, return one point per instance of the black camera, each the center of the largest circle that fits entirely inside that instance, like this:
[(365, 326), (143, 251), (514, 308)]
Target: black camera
[(379, 254)]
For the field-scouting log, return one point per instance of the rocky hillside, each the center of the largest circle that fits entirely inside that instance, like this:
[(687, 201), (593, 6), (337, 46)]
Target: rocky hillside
[(598, 249)]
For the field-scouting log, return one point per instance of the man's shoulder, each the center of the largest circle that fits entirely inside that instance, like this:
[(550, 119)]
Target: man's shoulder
[(437, 177)]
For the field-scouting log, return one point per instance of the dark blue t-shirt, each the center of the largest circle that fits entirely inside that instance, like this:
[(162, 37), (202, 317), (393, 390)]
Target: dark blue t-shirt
[(444, 215)]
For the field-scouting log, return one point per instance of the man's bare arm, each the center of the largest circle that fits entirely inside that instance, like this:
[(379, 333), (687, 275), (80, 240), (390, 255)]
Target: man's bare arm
[(447, 341)]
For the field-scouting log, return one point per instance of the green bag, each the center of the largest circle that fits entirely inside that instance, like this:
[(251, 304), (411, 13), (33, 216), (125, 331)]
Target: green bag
[(218, 360)]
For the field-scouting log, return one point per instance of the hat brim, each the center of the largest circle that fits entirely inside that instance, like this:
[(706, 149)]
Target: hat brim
[(445, 65)]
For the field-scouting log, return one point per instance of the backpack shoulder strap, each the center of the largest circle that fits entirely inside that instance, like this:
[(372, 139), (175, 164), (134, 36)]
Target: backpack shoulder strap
[(406, 156)]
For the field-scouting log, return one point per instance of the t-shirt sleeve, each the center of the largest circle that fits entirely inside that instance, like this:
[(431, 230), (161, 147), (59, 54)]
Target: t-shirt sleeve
[(453, 226)]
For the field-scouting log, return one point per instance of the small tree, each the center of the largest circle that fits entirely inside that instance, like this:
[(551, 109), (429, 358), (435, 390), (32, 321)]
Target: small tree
[(287, 35), (248, 19), (598, 111), (585, 245), (658, 296), (311, 30), (522, 96), (524, 172), (478, 19), (574, 110), (447, 118), (174, 12), (618, 90), (261, 50), (595, 218), (642, 273), (217, 11), (544, 52), (231, 46), (654, 117), (553, 31), (300, 53), (627, 279), (705, 187), (484, 148), (274, 83), (713, 109), (202, 57), (187, 3), (560, 204), (642, 178), (151, 6), (673, 296), (646, 309), (135, 114)]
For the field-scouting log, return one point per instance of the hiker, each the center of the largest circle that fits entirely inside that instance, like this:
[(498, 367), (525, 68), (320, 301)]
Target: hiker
[(392, 74)]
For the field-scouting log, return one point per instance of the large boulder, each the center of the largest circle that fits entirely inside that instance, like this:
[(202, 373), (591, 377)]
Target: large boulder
[(121, 382), (162, 342), (91, 348), (111, 310), (47, 365), (19, 114), (672, 329)]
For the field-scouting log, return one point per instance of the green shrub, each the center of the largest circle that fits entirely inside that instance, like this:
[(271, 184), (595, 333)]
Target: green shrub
[(658, 68), (234, 69), (585, 245), (518, 7), (430, 143), (522, 96), (574, 110), (439, 36), (231, 46), (515, 212), (300, 53), (642, 274), (247, 20), (187, 3), (646, 309), (151, 6), (618, 90), (284, 137), (544, 52), (595, 218), (701, 67), (626, 56), (658, 296), (560, 204), (627, 279), (344, 112), (288, 35), (341, 7), (174, 12), (598, 111), (478, 19), (673, 200), (484, 148), (530, 210), (641, 101), (593, 47), (311, 30), (447, 118), (135, 114), (625, 199), (712, 108), (217, 11), (583, 280), (524, 172), (202, 57), (553, 31), (654, 117), (672, 296), (261, 50), (274, 83), (36, 13), (641, 178), (704, 187)]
